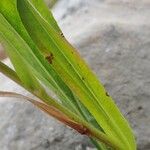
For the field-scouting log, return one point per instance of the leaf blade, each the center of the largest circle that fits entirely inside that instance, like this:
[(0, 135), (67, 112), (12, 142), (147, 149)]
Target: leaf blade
[(65, 93), (96, 90)]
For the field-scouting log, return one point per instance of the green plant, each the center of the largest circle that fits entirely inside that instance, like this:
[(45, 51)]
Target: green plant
[(44, 60)]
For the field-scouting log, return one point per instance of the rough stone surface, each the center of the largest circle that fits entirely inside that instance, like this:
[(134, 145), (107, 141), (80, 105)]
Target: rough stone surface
[(114, 37)]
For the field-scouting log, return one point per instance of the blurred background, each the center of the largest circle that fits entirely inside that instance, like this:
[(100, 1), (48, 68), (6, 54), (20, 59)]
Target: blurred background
[(113, 36)]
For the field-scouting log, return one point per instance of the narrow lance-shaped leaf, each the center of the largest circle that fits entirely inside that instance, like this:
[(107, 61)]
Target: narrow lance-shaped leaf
[(18, 49), (77, 75), (6, 8), (77, 79), (48, 16), (10, 47), (9, 11)]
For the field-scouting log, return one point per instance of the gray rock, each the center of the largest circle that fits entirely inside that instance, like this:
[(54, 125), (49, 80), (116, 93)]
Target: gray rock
[(114, 38)]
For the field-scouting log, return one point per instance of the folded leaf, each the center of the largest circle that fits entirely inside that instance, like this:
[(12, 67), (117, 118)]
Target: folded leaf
[(9, 11), (49, 59), (76, 74)]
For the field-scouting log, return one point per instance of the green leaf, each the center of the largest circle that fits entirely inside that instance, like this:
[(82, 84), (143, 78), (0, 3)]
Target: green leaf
[(9, 11), (76, 74), (46, 14), (66, 73), (20, 52)]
